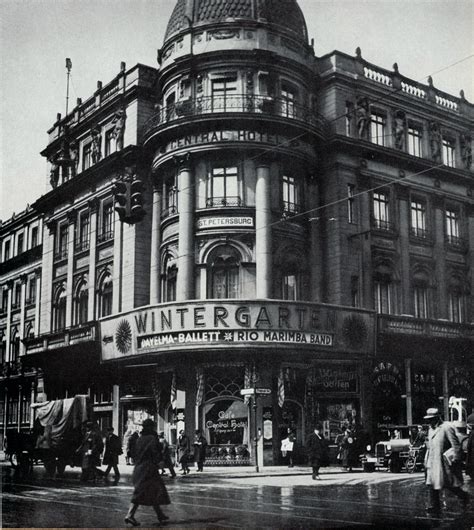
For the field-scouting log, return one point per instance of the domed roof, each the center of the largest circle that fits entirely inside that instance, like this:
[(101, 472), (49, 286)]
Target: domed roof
[(284, 13)]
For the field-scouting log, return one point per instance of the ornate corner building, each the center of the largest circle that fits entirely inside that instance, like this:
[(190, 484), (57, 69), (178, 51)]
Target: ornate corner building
[(309, 232)]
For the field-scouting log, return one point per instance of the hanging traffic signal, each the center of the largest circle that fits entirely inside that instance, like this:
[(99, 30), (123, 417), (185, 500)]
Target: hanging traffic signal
[(137, 212), (121, 191)]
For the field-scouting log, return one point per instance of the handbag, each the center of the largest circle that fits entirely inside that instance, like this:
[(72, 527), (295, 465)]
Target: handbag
[(449, 456)]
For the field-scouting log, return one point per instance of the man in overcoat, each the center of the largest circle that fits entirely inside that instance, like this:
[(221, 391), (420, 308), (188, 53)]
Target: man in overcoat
[(316, 447), (443, 461), (200, 444), (113, 449), (165, 448), (90, 451)]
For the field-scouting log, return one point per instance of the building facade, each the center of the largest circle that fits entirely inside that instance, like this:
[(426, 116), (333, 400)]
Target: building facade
[(309, 232)]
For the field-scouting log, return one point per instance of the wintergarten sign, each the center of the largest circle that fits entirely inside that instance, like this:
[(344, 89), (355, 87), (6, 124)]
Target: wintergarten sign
[(218, 324)]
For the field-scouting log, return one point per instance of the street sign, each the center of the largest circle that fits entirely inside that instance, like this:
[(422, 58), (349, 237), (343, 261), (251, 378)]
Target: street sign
[(247, 392), (265, 391)]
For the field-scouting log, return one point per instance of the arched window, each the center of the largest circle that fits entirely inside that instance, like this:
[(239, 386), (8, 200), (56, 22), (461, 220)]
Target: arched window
[(15, 345), (456, 299), (383, 295), (169, 278), (224, 267), (105, 293), (3, 347), (81, 302), (59, 309)]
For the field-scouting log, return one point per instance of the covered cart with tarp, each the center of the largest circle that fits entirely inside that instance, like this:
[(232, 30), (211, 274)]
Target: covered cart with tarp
[(58, 430)]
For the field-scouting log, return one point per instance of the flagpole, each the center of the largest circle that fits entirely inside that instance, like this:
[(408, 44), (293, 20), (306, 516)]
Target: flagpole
[(68, 67)]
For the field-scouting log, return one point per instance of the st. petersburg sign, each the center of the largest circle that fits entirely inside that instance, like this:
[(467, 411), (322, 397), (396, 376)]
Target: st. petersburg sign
[(216, 324)]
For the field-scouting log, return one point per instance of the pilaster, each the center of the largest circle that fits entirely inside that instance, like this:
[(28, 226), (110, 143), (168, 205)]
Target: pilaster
[(23, 280), (72, 218), (47, 276), (263, 232), (439, 254), (93, 209), (404, 246), (9, 323), (37, 301), (155, 270)]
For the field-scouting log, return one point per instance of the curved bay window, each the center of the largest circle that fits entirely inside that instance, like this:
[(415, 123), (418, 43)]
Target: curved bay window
[(81, 302), (223, 272), (223, 187), (104, 295), (169, 280), (59, 308)]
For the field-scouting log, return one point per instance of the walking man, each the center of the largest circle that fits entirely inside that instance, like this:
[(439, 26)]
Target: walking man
[(316, 450), (182, 451), (113, 449), (443, 461), (90, 451), (200, 444), (165, 448)]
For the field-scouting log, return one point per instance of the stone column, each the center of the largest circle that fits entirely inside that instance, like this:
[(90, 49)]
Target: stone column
[(439, 255), (155, 270), (37, 301), (9, 322), (23, 279), (116, 408), (118, 261), (316, 271), (185, 281), (403, 248), (409, 404), (91, 298), (72, 217), (263, 232)]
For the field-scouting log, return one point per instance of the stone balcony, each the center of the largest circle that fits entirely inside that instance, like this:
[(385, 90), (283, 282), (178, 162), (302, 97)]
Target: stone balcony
[(59, 339), (407, 325)]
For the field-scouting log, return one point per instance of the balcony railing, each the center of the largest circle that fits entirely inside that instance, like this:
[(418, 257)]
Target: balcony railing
[(382, 224), (60, 254), (81, 246), (105, 236), (247, 104), (422, 327), (225, 202), (456, 243), (170, 210)]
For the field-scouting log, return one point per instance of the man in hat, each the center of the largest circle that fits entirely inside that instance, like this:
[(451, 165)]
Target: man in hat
[(443, 461), (165, 448), (200, 444)]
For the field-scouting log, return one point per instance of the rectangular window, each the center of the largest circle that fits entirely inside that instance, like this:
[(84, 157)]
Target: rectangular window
[(455, 306), (34, 237), (87, 156), (19, 243), (381, 211), (109, 142), (224, 187), (290, 287), (383, 300), (452, 226), (32, 290), (4, 300), (377, 129), (418, 219), (224, 94), (107, 227), (82, 236), (17, 297), (6, 251), (414, 141), (355, 291), (171, 198), (291, 202), (448, 152), (421, 302), (349, 117), (61, 242), (350, 204), (288, 101)]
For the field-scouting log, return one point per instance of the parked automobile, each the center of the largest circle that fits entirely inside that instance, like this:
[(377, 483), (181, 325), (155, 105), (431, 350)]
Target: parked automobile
[(392, 450)]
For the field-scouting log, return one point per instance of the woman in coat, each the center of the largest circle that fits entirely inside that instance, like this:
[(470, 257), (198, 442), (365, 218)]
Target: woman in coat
[(182, 450), (316, 447), (443, 470), (149, 489)]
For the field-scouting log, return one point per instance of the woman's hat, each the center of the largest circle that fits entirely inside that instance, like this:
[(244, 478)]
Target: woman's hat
[(432, 413)]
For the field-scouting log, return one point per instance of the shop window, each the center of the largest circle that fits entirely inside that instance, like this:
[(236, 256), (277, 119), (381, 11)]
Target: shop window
[(377, 128), (223, 270), (351, 217), (420, 295), (448, 152), (105, 293), (81, 302), (290, 195), (418, 219), (59, 309), (383, 294), (223, 187), (414, 141), (381, 210)]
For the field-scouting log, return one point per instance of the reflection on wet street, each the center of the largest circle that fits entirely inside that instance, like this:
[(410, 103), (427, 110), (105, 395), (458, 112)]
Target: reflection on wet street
[(358, 500)]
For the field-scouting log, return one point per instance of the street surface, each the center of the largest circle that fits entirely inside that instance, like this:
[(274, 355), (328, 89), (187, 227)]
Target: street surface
[(276, 499)]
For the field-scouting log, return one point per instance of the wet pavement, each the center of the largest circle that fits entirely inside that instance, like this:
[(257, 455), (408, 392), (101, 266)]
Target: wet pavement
[(276, 498)]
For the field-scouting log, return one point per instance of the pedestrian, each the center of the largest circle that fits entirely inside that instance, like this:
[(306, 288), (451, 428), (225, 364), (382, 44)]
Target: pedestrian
[(131, 442), (149, 489), (200, 444), (443, 461), (90, 450), (347, 450), (182, 452), (316, 450), (165, 448), (113, 449), (470, 454), (288, 446)]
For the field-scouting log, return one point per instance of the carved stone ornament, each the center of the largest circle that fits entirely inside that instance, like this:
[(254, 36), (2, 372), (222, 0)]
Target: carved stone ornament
[(399, 126), (119, 128), (435, 141), (466, 151), (222, 34), (363, 117), (96, 154)]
